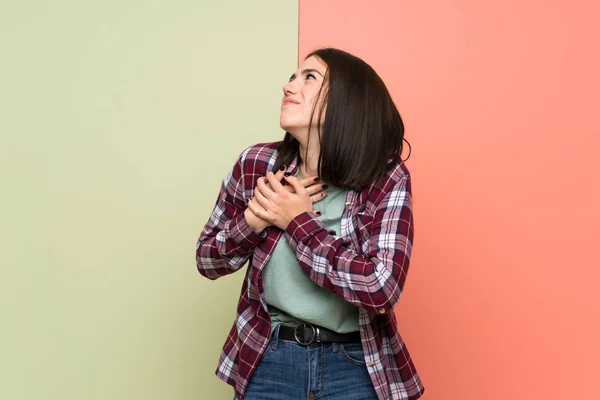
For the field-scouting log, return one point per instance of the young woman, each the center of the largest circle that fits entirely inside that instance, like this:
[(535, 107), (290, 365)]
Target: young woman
[(324, 218)]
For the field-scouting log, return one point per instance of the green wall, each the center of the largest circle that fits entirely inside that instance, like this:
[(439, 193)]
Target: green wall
[(118, 120)]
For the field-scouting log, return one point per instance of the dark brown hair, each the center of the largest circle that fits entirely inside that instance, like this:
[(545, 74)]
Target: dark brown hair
[(362, 133)]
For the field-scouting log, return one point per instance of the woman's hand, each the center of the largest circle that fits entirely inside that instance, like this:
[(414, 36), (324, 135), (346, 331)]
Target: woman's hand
[(279, 205), (256, 223), (314, 188)]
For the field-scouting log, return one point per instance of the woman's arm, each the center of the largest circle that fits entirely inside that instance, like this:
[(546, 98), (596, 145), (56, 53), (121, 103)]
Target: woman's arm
[(227, 239), (373, 280)]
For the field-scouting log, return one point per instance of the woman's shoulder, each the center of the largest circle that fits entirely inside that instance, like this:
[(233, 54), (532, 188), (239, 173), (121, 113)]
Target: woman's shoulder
[(260, 151), (397, 175), (258, 158), (396, 179)]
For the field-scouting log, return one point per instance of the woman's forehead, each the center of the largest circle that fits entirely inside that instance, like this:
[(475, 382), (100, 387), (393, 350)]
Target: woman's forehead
[(313, 62)]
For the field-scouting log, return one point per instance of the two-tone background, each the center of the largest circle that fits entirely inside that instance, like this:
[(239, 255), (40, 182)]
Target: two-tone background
[(118, 120)]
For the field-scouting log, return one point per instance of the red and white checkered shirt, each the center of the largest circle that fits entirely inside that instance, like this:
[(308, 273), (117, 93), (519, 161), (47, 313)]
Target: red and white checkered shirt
[(366, 264)]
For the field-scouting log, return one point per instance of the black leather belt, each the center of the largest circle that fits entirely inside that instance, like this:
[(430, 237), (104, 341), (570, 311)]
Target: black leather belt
[(306, 334)]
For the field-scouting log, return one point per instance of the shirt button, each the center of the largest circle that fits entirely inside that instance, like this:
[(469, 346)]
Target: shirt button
[(371, 364), (349, 206), (362, 330), (382, 311)]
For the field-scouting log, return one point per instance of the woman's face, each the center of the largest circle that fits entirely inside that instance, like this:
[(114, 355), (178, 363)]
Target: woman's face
[(299, 96)]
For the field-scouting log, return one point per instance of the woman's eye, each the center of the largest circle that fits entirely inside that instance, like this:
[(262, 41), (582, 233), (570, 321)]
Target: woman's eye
[(310, 76)]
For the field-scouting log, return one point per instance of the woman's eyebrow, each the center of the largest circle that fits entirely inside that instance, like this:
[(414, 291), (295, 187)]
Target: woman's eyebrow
[(305, 72), (310, 70)]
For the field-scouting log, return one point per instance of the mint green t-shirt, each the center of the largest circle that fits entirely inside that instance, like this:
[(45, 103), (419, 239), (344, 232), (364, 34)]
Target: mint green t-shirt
[(292, 298)]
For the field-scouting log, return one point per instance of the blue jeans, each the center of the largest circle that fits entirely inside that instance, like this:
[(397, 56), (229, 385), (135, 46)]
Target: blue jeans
[(324, 371)]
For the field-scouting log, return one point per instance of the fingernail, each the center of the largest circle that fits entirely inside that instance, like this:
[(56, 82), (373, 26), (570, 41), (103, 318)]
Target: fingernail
[(318, 212), (325, 186), (282, 168), (287, 174), (317, 179), (323, 194)]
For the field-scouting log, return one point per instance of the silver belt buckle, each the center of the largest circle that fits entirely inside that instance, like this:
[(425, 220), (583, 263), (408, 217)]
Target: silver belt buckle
[(312, 339)]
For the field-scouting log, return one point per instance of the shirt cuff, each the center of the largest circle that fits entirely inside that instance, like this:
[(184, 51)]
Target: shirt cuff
[(242, 233), (303, 225)]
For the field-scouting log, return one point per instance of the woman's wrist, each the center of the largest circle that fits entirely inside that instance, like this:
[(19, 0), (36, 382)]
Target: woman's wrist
[(254, 222)]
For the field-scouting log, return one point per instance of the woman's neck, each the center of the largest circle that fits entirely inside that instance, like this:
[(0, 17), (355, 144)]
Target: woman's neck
[(310, 162)]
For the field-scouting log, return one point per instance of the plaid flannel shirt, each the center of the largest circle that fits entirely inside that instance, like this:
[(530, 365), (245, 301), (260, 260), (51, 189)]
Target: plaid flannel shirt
[(366, 264)]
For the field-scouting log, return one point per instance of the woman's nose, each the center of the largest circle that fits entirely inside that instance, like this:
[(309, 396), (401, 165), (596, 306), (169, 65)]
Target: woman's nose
[(290, 88)]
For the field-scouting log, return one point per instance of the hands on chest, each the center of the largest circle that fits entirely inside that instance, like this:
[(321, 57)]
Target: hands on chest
[(277, 204)]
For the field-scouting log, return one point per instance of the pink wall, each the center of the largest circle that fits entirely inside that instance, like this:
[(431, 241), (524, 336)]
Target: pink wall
[(501, 103)]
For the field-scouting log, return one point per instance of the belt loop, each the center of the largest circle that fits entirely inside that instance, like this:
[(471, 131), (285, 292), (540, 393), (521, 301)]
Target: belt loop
[(276, 336)]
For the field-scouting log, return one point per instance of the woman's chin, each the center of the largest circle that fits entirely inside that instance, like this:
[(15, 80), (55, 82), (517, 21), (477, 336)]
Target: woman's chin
[(290, 128)]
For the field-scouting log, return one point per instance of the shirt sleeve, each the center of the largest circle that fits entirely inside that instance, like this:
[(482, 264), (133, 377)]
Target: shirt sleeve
[(374, 278), (227, 241)]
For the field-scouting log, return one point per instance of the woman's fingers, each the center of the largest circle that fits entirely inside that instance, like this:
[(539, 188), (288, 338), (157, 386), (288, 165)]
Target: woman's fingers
[(314, 189), (265, 190), (254, 206), (317, 197), (267, 187), (259, 211), (298, 188), (275, 185), (261, 199), (311, 180), (312, 184), (279, 174)]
